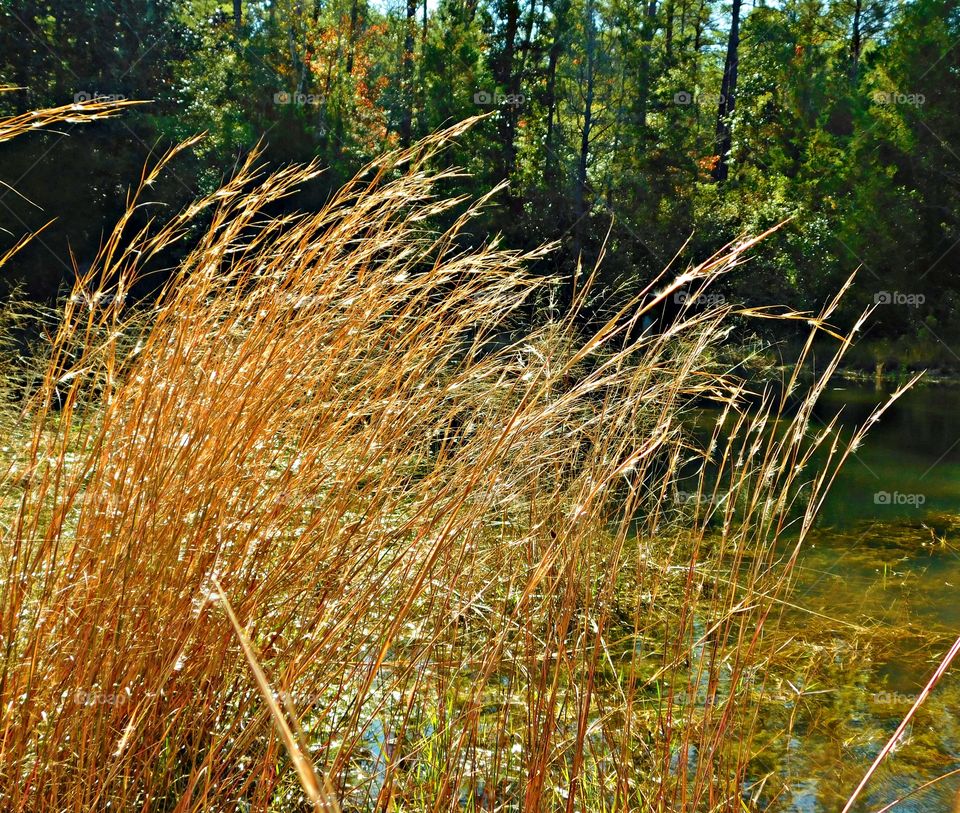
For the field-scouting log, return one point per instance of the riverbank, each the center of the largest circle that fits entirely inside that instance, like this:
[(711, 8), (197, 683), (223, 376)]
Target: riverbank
[(882, 361), (898, 360)]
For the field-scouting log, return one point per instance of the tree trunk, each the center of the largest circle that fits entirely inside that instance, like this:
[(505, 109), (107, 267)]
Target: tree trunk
[(352, 36), (668, 44), (507, 77), (646, 39), (237, 14), (728, 96), (556, 48), (581, 189), (856, 41), (406, 120), (527, 43)]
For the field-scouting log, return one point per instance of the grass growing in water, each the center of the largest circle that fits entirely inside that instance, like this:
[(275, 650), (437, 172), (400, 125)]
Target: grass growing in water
[(459, 560)]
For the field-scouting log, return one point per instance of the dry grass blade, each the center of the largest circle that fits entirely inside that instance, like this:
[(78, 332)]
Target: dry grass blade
[(312, 785), (895, 737), (82, 112)]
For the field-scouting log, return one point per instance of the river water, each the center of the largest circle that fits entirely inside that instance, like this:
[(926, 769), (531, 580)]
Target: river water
[(879, 583)]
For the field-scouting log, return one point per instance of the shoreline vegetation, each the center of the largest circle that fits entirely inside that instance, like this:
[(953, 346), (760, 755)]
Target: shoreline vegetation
[(633, 130), (305, 537), (867, 361)]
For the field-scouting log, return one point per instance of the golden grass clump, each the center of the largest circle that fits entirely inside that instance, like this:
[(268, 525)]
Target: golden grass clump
[(452, 547)]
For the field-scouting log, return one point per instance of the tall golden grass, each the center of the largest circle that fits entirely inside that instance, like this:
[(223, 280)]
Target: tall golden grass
[(332, 465)]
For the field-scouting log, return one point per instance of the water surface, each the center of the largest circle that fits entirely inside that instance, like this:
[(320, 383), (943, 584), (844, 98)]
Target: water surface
[(882, 574)]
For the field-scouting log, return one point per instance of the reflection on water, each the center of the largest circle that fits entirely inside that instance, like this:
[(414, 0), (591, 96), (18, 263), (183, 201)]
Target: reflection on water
[(885, 558), (910, 464)]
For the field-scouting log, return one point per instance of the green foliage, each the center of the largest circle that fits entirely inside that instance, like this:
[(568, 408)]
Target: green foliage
[(603, 118)]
